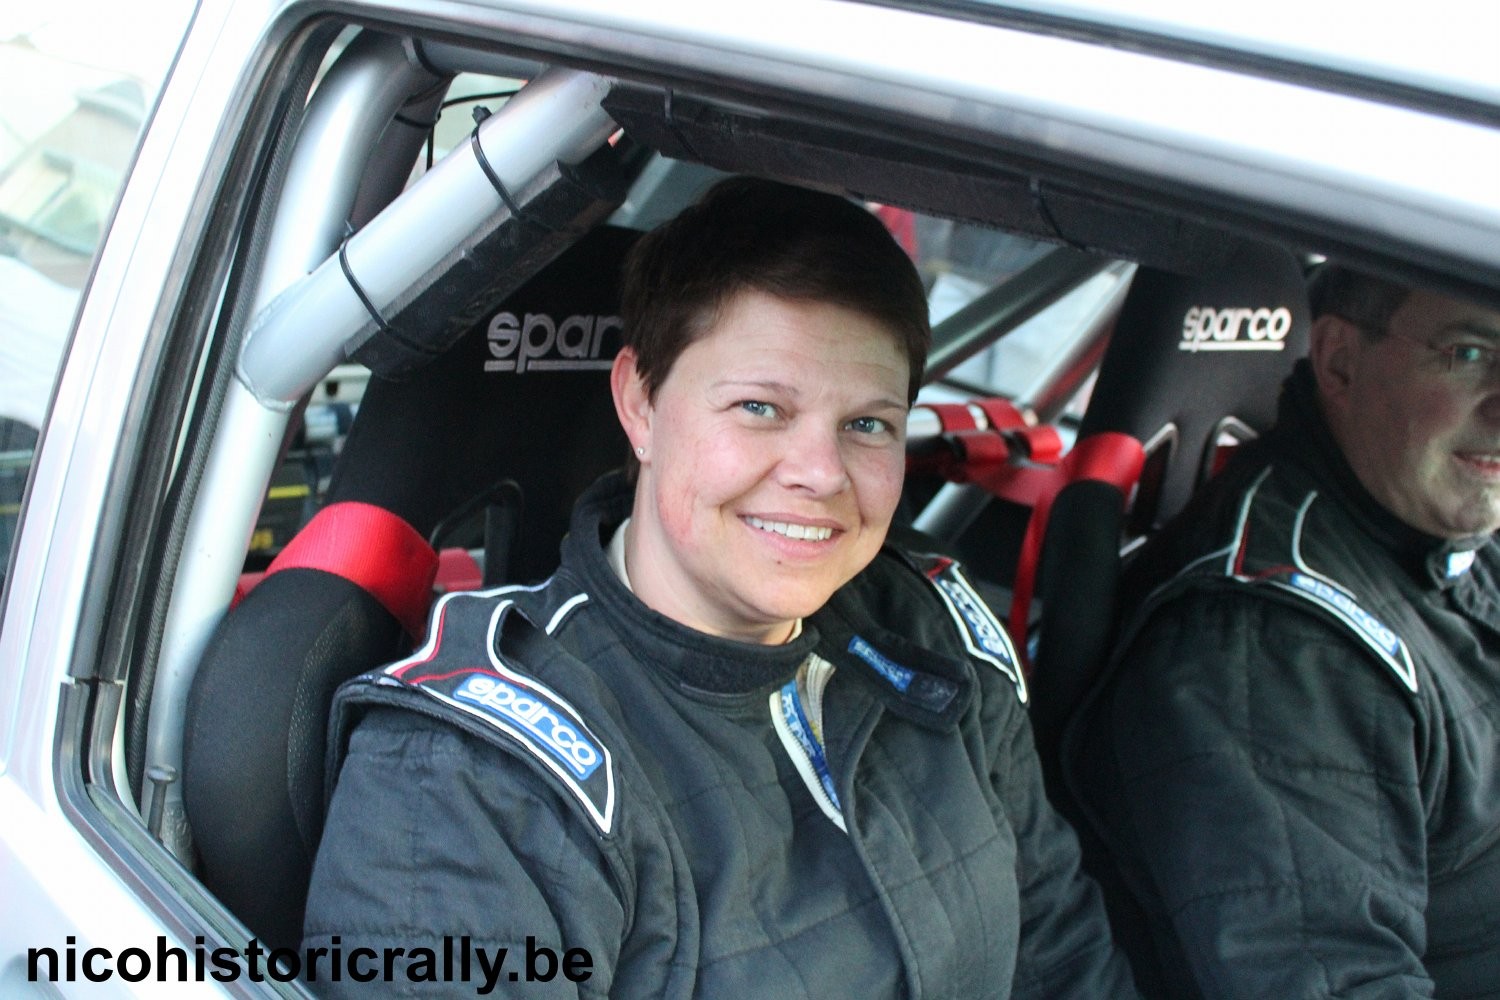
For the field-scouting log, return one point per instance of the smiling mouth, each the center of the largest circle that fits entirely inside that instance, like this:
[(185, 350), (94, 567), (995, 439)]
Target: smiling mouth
[(800, 532), (1487, 460)]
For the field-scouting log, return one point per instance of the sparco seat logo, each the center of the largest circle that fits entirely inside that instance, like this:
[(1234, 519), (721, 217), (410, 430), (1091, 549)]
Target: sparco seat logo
[(537, 342), (1235, 329)]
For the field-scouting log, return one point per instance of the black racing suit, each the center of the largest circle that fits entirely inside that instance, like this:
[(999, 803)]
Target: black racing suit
[(1296, 764), (564, 764)]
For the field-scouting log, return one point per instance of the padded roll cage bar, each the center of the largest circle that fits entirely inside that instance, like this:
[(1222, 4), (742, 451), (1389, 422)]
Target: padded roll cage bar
[(316, 302)]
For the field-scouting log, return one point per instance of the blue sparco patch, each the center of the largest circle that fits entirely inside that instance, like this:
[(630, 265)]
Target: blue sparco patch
[(1371, 630), (898, 676), (555, 735), (515, 709), (1366, 622), (981, 631)]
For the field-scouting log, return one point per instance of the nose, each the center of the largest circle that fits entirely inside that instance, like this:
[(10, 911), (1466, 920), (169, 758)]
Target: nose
[(813, 462), (1489, 406)]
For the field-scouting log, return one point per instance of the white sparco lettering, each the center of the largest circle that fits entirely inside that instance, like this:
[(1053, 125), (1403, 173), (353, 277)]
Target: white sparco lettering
[(562, 739), (539, 342), (1205, 328)]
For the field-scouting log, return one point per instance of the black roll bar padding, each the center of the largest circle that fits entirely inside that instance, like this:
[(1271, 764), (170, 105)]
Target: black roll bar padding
[(562, 204)]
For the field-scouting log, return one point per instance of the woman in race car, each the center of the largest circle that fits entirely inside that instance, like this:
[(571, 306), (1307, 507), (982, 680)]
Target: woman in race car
[(737, 745)]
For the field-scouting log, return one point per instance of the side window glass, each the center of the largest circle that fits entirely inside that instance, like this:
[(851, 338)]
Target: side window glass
[(76, 80)]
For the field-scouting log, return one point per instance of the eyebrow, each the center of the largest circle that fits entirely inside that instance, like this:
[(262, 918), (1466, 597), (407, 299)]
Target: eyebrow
[(771, 385), (886, 403), (748, 383), (1471, 326)]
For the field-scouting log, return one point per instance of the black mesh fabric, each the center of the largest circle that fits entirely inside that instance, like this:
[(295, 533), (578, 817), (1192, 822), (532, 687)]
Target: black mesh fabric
[(254, 745), (525, 397)]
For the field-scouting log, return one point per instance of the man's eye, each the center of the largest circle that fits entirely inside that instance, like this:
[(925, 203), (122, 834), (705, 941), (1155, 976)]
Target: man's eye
[(869, 425), (757, 408), (1467, 355)]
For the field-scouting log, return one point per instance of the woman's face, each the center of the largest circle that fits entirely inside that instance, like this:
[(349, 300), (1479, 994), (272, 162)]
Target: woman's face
[(771, 463)]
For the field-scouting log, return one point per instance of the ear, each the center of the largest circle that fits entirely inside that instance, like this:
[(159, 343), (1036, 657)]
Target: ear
[(1334, 350), (632, 403)]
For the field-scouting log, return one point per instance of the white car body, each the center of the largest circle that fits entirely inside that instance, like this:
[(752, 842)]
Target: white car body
[(1387, 145)]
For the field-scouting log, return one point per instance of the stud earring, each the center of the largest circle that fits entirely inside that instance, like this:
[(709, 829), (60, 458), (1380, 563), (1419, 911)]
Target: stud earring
[(640, 451)]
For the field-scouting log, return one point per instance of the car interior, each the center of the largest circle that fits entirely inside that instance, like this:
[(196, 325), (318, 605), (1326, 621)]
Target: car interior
[(284, 540)]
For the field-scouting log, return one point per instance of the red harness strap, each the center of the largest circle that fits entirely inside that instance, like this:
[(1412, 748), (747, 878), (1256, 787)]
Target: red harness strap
[(985, 457), (375, 550), (1108, 457)]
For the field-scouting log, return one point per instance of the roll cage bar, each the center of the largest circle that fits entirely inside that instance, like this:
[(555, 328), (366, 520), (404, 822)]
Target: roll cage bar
[(321, 296)]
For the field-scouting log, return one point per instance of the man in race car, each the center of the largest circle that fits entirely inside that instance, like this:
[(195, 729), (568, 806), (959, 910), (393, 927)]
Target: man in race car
[(1295, 763)]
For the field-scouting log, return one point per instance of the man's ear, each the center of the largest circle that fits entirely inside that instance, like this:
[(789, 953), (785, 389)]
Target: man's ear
[(632, 403), (1333, 351)]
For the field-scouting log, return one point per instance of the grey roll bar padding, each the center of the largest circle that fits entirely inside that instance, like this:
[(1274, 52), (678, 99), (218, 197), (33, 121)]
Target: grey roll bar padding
[(352, 107), (447, 57), (316, 323), (1006, 306)]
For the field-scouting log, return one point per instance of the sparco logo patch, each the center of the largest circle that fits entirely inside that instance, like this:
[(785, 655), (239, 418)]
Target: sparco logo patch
[(1235, 329), (981, 631), (499, 704), (1372, 630), (537, 342), (558, 737), (898, 676), (982, 625), (1366, 622)]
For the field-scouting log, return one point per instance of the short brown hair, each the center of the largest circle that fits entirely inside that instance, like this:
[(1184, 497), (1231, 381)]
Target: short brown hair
[(751, 234), (1362, 299)]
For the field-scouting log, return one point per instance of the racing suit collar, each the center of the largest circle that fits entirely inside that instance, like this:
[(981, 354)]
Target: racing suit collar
[(689, 658), (1303, 435)]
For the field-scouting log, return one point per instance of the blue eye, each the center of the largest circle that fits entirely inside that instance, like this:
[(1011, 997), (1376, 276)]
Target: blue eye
[(1467, 355), (869, 425), (757, 408)]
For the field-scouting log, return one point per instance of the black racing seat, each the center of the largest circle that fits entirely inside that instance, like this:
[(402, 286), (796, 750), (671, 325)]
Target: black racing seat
[(509, 426), (1194, 367)]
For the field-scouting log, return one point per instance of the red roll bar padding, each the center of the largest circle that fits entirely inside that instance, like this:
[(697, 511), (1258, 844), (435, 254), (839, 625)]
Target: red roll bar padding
[(1043, 444), (375, 550), (1002, 414), (953, 416)]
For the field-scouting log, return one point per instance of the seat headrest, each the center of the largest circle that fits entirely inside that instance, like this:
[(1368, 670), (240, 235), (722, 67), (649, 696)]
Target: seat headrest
[(524, 394), (1194, 356)]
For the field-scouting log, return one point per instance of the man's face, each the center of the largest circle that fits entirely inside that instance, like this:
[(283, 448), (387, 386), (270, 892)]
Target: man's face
[(773, 459), (1424, 439)]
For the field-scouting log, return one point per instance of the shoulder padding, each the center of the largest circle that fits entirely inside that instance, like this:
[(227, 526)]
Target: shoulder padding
[(978, 627), (459, 677), (1266, 553)]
